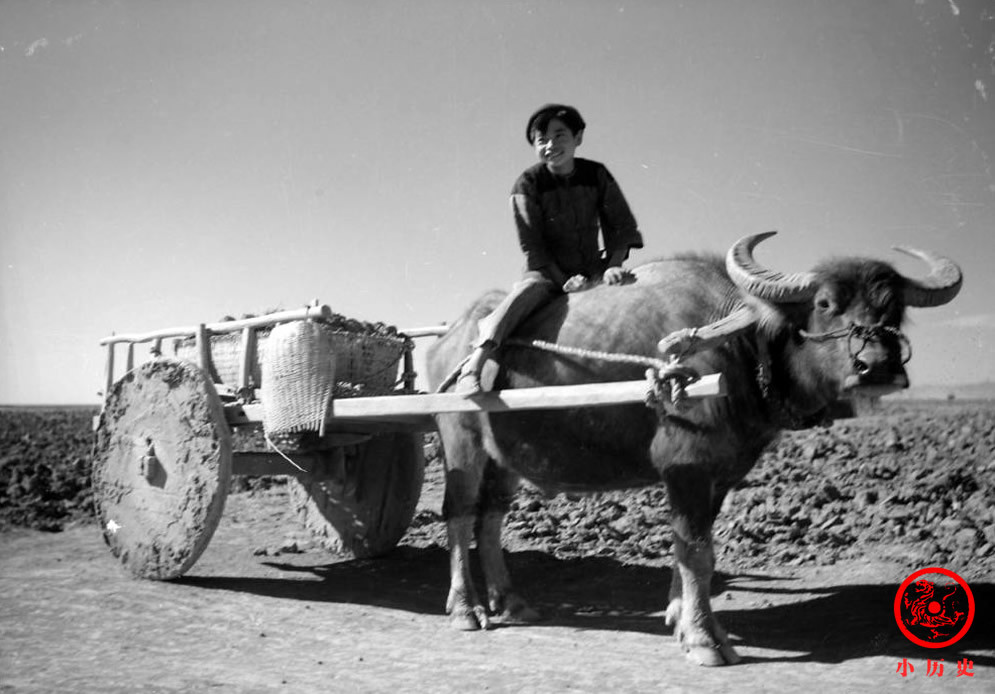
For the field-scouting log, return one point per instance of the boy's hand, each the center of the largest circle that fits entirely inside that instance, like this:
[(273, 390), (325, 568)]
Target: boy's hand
[(575, 284), (617, 275)]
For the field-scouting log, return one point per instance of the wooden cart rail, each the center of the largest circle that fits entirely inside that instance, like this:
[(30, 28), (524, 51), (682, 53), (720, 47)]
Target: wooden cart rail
[(322, 311), (247, 326)]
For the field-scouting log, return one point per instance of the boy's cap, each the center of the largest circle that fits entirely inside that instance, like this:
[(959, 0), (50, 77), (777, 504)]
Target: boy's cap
[(540, 119)]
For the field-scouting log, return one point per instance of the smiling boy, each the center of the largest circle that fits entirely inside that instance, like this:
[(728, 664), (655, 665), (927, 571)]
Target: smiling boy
[(564, 208)]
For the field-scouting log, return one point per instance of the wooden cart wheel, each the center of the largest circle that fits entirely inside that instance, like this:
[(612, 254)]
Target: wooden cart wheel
[(368, 505), (161, 467)]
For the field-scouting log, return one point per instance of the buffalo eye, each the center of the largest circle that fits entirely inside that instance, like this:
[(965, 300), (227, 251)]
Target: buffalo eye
[(824, 304)]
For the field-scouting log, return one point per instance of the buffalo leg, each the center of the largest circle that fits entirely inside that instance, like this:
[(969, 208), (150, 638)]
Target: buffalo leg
[(689, 489), (465, 462), (499, 487), (676, 583)]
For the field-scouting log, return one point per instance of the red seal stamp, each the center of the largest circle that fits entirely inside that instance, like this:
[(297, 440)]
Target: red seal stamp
[(934, 607)]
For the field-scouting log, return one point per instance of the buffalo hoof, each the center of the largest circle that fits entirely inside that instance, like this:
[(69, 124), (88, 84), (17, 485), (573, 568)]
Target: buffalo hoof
[(517, 611), (713, 656), (702, 645), (473, 619)]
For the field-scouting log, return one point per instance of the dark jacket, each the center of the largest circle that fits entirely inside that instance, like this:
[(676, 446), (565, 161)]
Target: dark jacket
[(558, 218)]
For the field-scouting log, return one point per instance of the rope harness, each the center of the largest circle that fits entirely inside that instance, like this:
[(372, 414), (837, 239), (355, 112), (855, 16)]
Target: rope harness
[(666, 379)]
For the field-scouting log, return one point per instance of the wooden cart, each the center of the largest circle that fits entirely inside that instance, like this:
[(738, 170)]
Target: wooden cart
[(164, 452)]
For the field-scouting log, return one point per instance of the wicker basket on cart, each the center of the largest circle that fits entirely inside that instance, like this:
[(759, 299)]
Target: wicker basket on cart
[(362, 362), (308, 362)]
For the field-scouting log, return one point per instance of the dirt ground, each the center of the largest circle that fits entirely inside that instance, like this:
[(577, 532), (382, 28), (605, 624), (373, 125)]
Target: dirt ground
[(266, 610)]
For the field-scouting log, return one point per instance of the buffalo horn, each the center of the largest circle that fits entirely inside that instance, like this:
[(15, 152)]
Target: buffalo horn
[(939, 287), (760, 282)]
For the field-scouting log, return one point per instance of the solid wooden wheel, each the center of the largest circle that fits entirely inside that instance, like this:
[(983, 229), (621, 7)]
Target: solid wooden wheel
[(161, 467), (366, 505)]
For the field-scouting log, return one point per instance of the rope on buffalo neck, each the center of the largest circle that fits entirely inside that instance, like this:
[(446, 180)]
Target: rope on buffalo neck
[(659, 372)]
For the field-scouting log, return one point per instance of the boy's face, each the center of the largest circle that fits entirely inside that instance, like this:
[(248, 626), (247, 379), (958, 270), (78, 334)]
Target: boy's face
[(555, 147)]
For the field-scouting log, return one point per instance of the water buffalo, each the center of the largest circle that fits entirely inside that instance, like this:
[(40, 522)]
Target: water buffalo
[(788, 346)]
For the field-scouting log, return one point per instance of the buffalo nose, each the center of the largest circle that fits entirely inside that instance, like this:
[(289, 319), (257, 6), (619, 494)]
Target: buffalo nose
[(861, 367)]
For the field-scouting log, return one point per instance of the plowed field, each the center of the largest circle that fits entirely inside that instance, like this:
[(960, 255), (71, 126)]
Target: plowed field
[(812, 548)]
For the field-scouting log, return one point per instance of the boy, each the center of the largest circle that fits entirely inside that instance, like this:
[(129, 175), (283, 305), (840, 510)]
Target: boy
[(559, 206)]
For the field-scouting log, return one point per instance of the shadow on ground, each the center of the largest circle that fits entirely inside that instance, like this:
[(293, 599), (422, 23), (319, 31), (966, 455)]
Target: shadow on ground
[(811, 624), (844, 622)]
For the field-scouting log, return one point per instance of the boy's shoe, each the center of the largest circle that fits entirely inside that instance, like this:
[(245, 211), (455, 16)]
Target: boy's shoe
[(468, 381), (468, 384)]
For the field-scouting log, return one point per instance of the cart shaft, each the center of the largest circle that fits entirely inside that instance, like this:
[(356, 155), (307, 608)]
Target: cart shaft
[(416, 412), (540, 398)]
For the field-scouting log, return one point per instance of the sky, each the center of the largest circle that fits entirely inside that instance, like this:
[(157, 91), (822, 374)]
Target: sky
[(164, 164)]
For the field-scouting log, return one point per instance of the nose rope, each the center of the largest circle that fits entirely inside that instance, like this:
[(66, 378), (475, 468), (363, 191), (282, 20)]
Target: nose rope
[(866, 334)]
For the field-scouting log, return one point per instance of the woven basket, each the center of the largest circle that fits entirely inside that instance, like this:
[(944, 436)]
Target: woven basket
[(299, 372), (365, 364), (366, 361), (226, 356)]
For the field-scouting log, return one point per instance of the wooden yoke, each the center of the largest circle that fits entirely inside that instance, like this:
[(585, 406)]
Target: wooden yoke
[(687, 341)]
